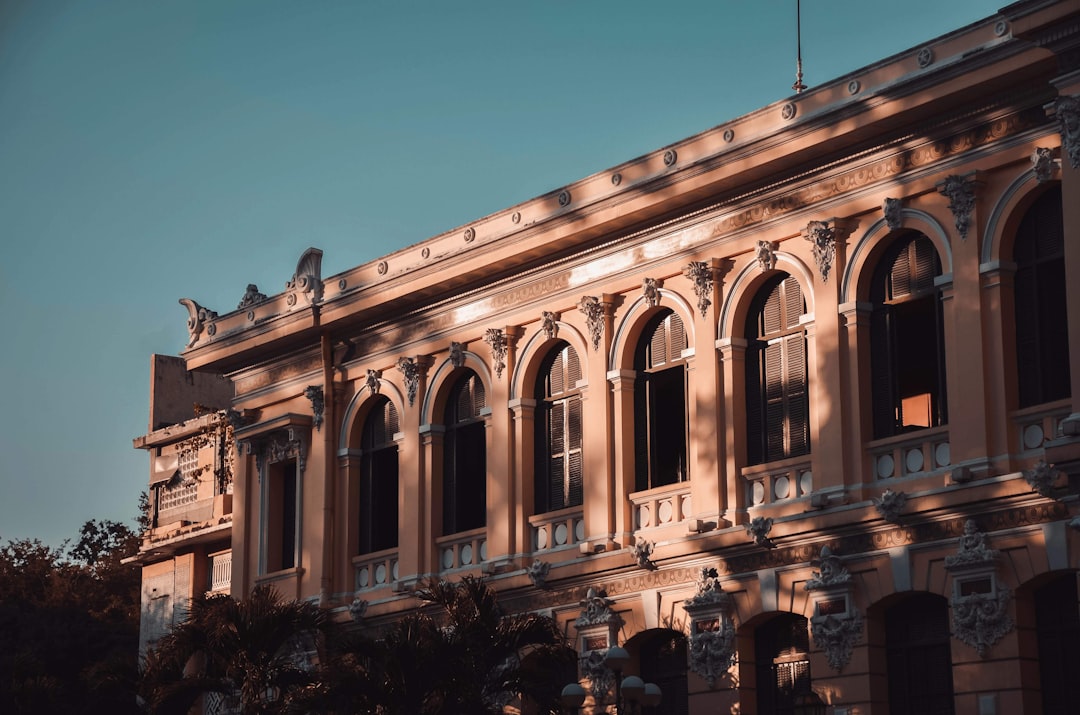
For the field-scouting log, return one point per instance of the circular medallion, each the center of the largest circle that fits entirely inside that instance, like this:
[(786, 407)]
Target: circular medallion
[(470, 234), (788, 112), (383, 268), (616, 179), (564, 198), (341, 284), (925, 57), (516, 217), (670, 157), (853, 86), (729, 135)]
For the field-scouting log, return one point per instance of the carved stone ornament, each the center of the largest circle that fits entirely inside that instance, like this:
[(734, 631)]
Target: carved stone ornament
[(1067, 110), (701, 274), (411, 372), (832, 572), (549, 323), (1042, 163), (307, 281), (837, 635), (892, 209), (538, 572), (823, 237), (890, 505), (252, 296), (765, 255), (980, 603), (198, 316), (357, 608), (759, 528), (642, 552), (457, 354), (596, 609), (496, 340), (598, 628), (711, 647), (314, 393), (374, 381), (961, 194), (277, 447), (650, 289), (1042, 478), (593, 310)]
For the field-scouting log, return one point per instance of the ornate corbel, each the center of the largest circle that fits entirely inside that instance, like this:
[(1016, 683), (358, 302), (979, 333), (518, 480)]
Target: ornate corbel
[(357, 608), (893, 210), (307, 280), (765, 255), (598, 629), (314, 393), (198, 317), (1043, 478), (758, 529), (823, 238), (890, 505), (960, 190), (836, 624), (980, 603), (1067, 111), (642, 551), (538, 572), (701, 274), (410, 370), (712, 628), (496, 340), (457, 354), (593, 310), (549, 323), (251, 297), (650, 290), (374, 381), (1043, 164)]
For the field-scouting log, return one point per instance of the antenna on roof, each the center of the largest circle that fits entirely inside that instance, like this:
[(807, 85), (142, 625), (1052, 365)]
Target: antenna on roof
[(798, 86)]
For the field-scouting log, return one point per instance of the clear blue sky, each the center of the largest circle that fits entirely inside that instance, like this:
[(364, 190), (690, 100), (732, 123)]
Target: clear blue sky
[(156, 150)]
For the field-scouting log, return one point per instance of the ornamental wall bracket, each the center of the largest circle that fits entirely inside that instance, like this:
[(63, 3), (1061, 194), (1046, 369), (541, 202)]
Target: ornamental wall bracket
[(538, 572), (198, 317), (307, 281), (758, 529), (1043, 164), (549, 323), (251, 297), (314, 393), (765, 255), (1043, 478), (823, 238), (980, 602), (890, 505), (701, 274), (598, 629), (960, 190), (496, 340), (593, 310), (373, 381), (893, 208), (836, 624), (1067, 111), (711, 651), (357, 609), (410, 370), (650, 290), (642, 552), (457, 354)]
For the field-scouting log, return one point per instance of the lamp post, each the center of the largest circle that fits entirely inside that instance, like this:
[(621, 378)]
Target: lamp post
[(631, 692)]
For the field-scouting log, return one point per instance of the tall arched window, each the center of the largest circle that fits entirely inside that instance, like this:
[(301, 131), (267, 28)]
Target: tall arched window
[(1042, 331), (660, 417), (663, 661), (1058, 631), (378, 513), (464, 483), (918, 656), (781, 649), (777, 399), (907, 339), (559, 464)]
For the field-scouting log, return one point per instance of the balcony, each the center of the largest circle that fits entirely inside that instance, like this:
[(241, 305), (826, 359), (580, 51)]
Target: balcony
[(911, 454), (779, 481), (462, 550), (557, 529), (375, 570), (220, 572), (661, 507)]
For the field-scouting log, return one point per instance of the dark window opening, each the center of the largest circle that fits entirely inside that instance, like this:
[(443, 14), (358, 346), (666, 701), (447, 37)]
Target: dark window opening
[(465, 457), (282, 521), (918, 657), (660, 404), (559, 466), (663, 661), (379, 480), (781, 648), (1057, 623)]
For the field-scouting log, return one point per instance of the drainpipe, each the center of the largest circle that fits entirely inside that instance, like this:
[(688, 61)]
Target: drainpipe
[(329, 464)]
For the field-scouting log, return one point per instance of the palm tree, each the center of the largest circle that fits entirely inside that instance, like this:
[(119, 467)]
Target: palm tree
[(253, 649)]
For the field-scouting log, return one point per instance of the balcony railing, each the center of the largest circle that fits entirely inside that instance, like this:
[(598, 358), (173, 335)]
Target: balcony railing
[(919, 452), (661, 506), (462, 550), (1036, 425), (376, 569), (557, 529), (220, 572), (778, 481)]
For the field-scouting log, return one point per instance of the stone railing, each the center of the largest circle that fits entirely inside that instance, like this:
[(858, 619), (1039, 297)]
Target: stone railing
[(220, 572), (557, 529), (920, 452), (778, 481), (462, 550), (662, 506), (376, 569), (1035, 425)]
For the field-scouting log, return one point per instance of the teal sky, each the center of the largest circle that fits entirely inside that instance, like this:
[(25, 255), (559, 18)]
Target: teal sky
[(151, 151)]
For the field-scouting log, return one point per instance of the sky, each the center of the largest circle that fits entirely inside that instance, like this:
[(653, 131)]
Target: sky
[(152, 151)]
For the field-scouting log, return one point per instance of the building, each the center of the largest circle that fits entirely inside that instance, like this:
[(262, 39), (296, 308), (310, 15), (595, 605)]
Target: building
[(785, 406)]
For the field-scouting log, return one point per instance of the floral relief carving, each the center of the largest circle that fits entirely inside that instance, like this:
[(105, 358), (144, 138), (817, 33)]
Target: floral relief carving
[(1067, 110), (837, 634), (593, 310), (765, 255), (890, 505), (251, 296), (538, 572), (314, 393), (496, 340), (601, 622), (702, 276), (549, 323), (758, 529), (961, 194), (642, 552), (980, 603), (410, 370), (711, 651), (823, 238), (1042, 478), (198, 317), (893, 208), (650, 289)]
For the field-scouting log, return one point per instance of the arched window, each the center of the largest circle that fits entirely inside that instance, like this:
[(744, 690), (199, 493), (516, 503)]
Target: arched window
[(1042, 333), (464, 483), (1058, 629), (777, 399), (378, 527), (781, 649), (660, 418), (918, 656), (907, 339), (663, 661), (559, 464)]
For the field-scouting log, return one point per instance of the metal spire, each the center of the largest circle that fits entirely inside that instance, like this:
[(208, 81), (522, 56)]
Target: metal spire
[(798, 86)]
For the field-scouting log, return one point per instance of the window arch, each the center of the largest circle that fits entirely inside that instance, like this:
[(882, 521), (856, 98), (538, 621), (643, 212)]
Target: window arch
[(782, 654), (777, 398), (919, 657), (660, 404), (378, 512), (464, 482), (907, 344), (559, 467), (1042, 335)]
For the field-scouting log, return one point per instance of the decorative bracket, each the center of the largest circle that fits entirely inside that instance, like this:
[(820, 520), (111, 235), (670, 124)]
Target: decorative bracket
[(701, 273), (373, 382), (980, 603), (538, 572), (712, 628), (960, 190), (1067, 111), (496, 340), (642, 552), (593, 310), (890, 505), (893, 208), (650, 290), (758, 529), (835, 623), (314, 393), (1043, 478), (598, 629), (549, 323), (765, 255)]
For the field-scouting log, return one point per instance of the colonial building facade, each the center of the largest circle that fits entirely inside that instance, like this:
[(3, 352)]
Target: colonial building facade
[(786, 407)]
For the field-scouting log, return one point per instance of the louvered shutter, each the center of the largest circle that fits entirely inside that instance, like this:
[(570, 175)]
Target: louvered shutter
[(798, 403), (883, 394), (774, 401)]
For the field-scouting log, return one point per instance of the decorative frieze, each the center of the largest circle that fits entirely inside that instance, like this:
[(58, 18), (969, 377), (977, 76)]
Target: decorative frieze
[(251, 297), (1067, 111), (893, 210), (593, 310), (198, 318), (650, 290), (700, 273), (711, 650), (496, 340), (823, 238), (314, 393), (960, 191), (980, 603), (765, 255), (549, 323)]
